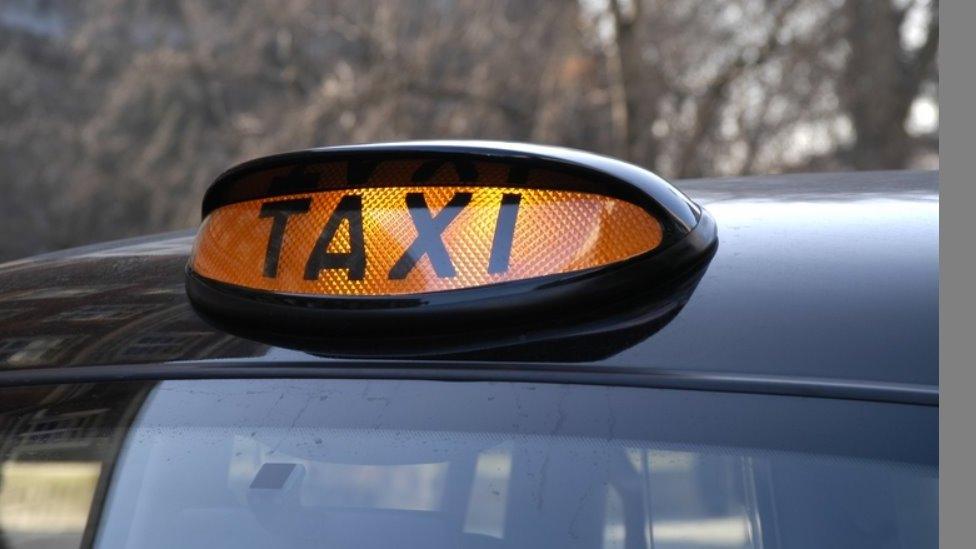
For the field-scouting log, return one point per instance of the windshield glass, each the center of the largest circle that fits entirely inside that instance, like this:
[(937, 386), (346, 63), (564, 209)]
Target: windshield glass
[(381, 463)]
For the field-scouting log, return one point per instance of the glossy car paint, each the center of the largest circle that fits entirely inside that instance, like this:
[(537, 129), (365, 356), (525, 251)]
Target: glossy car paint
[(826, 276)]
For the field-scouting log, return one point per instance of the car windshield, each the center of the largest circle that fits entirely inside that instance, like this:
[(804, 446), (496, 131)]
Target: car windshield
[(354, 463)]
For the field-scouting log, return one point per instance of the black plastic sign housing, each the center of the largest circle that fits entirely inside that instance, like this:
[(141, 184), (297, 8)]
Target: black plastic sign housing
[(654, 281)]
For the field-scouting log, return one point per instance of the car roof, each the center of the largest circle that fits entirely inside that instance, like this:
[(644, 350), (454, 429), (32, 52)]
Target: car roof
[(829, 277)]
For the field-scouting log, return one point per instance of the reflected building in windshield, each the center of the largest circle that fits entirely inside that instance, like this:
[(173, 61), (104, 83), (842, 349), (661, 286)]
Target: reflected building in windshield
[(58, 447)]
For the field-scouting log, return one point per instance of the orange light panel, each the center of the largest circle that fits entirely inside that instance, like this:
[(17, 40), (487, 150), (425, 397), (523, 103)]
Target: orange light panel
[(387, 241)]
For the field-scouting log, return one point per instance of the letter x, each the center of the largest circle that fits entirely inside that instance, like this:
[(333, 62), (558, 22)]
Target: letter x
[(428, 241)]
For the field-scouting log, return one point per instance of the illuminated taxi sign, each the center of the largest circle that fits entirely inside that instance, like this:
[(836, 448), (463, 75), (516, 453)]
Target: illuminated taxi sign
[(455, 235), (407, 240)]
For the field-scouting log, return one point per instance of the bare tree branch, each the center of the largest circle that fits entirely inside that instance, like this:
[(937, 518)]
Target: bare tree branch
[(709, 104)]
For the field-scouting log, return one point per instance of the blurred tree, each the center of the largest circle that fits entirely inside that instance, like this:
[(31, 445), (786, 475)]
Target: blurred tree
[(116, 114), (882, 79)]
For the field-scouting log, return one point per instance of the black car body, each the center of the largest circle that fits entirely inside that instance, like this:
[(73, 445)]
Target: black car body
[(791, 402)]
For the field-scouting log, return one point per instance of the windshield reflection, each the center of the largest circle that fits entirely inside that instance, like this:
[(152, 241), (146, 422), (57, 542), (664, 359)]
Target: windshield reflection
[(376, 464), (59, 446)]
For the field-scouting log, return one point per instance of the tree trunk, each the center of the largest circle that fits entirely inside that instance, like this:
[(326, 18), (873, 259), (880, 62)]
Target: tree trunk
[(880, 83)]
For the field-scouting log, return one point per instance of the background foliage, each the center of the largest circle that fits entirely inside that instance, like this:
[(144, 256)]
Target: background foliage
[(116, 114)]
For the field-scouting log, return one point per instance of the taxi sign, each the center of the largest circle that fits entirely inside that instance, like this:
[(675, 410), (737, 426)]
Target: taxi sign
[(408, 240), (436, 230)]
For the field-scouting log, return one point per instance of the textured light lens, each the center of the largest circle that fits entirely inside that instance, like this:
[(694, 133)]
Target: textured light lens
[(384, 241)]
